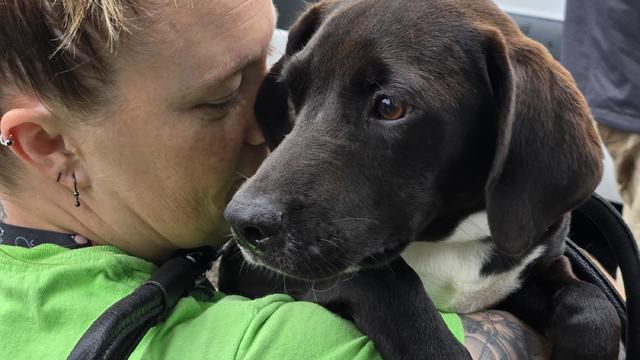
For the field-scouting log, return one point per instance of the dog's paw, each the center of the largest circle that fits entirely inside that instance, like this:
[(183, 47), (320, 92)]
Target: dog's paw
[(584, 325)]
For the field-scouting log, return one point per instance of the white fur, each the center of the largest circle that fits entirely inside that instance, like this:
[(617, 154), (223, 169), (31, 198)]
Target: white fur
[(450, 269)]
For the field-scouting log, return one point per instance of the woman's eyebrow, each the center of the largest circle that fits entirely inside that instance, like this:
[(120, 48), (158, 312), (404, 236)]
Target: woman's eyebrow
[(211, 81), (233, 66), (225, 71)]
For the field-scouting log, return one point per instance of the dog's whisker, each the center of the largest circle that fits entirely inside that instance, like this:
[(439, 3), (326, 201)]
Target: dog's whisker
[(313, 291), (382, 263), (331, 243), (372, 257), (235, 255), (351, 275), (335, 267), (466, 233), (293, 240), (356, 219), (320, 269), (284, 283), (390, 268), (472, 223), (333, 286), (242, 266), (243, 176)]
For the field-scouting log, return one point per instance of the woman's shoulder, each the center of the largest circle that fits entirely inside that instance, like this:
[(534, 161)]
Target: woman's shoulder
[(49, 296), (273, 327), (69, 289), (48, 256)]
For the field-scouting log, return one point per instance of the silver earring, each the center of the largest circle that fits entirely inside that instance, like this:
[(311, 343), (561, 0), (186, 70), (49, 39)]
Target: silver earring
[(7, 142), (76, 194)]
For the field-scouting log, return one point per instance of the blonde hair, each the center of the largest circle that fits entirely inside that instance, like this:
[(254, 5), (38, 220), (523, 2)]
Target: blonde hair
[(106, 15), (61, 52)]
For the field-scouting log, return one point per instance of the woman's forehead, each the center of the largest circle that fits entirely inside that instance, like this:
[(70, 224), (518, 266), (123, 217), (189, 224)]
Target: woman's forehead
[(224, 23), (199, 40)]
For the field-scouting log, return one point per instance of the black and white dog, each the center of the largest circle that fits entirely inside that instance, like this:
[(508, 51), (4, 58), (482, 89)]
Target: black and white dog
[(435, 130)]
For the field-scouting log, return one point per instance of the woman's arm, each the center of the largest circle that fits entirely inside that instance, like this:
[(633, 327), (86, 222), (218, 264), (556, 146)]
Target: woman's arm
[(492, 335)]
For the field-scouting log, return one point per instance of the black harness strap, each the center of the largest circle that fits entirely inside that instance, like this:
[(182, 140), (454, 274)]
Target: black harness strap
[(615, 231), (118, 331), (588, 271)]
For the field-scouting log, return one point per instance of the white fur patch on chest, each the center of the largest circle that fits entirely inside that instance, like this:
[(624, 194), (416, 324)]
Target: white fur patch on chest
[(450, 269)]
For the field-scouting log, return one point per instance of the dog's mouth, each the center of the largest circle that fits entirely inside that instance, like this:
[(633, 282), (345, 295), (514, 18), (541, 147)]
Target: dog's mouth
[(256, 257), (310, 265)]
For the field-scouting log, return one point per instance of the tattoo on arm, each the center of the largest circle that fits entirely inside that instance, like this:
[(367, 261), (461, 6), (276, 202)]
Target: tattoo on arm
[(3, 215), (496, 335)]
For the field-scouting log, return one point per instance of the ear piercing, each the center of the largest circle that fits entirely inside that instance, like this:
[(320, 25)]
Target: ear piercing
[(7, 142), (76, 194)]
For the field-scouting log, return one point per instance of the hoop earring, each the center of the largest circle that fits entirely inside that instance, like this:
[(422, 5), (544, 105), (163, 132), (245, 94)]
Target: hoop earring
[(76, 194), (7, 142)]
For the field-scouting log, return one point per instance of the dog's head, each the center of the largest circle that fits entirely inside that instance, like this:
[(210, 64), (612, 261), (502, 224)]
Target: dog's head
[(393, 120)]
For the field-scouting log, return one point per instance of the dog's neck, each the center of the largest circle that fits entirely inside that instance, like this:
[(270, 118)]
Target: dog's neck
[(454, 272), (475, 227)]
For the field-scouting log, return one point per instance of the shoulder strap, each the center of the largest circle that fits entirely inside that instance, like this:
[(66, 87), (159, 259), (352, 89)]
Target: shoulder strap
[(118, 331), (612, 228)]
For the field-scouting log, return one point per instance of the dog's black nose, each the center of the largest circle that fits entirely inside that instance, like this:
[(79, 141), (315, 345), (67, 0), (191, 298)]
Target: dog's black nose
[(254, 222)]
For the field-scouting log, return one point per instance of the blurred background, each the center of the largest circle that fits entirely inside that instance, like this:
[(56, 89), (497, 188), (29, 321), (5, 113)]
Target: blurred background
[(539, 19)]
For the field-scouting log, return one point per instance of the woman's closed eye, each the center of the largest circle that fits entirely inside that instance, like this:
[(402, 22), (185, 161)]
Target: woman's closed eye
[(220, 108)]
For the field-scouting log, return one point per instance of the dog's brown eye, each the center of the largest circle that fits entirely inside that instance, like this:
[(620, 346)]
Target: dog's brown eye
[(390, 109)]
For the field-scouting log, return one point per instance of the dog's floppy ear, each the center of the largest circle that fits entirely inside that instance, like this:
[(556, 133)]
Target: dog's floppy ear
[(272, 107), (301, 32), (272, 103), (548, 155)]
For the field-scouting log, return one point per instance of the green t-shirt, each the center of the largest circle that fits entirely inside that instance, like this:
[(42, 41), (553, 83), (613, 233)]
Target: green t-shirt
[(50, 295)]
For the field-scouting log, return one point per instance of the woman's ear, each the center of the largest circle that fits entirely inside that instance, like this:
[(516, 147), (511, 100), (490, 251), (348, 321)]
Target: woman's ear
[(35, 138)]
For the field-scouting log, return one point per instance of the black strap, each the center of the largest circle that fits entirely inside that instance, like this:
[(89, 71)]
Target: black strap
[(118, 331), (588, 271), (612, 227)]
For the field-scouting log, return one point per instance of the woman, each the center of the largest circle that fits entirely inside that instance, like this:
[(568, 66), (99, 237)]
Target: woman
[(127, 125)]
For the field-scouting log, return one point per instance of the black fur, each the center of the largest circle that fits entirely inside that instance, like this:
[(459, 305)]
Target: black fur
[(494, 124)]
